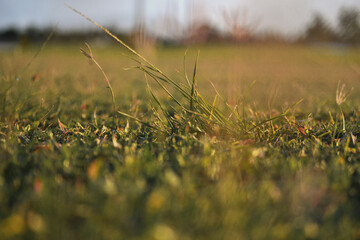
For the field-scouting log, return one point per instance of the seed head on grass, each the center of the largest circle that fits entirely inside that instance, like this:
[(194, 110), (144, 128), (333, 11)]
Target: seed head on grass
[(88, 55), (341, 97)]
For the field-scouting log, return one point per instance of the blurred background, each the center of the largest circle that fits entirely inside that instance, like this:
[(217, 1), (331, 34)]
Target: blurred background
[(292, 49), (183, 22)]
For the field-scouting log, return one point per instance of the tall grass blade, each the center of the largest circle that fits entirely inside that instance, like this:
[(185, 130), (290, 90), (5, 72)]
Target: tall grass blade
[(90, 55), (43, 45), (194, 82), (185, 72)]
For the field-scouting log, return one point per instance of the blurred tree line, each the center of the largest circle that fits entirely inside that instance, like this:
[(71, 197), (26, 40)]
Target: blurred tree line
[(34, 35), (346, 31)]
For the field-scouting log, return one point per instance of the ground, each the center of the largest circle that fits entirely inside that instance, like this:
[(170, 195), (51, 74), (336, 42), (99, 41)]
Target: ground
[(244, 161)]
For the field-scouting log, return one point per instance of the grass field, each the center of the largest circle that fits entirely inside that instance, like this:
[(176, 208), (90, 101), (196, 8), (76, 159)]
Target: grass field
[(71, 168)]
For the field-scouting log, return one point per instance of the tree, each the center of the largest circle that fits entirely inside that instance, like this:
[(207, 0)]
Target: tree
[(238, 26), (319, 30), (349, 25), (9, 35)]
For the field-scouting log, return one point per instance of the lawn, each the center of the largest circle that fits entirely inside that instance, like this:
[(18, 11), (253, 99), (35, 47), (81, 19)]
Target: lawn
[(239, 157)]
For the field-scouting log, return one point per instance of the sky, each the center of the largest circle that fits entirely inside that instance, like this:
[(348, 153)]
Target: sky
[(288, 17)]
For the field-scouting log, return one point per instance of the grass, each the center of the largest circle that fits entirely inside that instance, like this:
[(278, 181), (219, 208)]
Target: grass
[(199, 162)]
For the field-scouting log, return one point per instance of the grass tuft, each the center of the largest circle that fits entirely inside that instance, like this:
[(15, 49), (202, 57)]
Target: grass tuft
[(201, 113)]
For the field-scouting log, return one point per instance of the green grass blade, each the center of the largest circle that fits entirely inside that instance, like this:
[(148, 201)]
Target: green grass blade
[(194, 82)]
